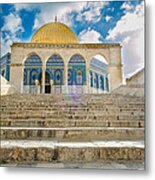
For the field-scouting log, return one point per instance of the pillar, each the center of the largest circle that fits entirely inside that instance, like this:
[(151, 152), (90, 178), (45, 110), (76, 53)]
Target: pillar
[(88, 76), (115, 67), (43, 79), (65, 78), (22, 80), (66, 75)]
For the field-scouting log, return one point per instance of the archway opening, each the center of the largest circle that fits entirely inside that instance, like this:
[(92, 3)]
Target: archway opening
[(55, 69), (76, 74), (99, 75), (77, 70), (32, 69), (47, 83)]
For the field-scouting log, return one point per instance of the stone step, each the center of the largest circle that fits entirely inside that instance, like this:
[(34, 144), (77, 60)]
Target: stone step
[(53, 152), (71, 117), (70, 123), (73, 133), (69, 97), (72, 110), (70, 100), (60, 105)]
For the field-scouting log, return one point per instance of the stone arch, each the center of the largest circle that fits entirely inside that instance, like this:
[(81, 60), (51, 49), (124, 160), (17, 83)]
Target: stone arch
[(103, 55), (32, 69), (54, 53), (54, 64), (76, 70), (29, 55), (77, 54), (99, 72)]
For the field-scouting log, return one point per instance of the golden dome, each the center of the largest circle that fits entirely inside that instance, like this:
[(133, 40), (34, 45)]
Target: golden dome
[(55, 33)]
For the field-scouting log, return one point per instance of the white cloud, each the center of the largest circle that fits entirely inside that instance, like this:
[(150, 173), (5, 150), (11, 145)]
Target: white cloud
[(129, 30), (127, 6), (92, 11), (20, 6), (11, 31), (107, 18), (62, 10), (89, 36), (12, 23), (46, 13)]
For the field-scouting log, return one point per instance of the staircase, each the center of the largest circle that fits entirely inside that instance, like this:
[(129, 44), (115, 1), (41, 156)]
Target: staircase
[(72, 131)]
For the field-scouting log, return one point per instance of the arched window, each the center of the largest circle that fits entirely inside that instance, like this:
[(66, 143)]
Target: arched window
[(77, 74)]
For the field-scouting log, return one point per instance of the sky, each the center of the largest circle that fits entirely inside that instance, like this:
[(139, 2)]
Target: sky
[(93, 22)]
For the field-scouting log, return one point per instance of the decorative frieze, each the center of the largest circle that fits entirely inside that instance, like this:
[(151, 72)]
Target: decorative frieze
[(65, 46)]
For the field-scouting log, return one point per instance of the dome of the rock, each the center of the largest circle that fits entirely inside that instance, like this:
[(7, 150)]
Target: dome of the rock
[(55, 33)]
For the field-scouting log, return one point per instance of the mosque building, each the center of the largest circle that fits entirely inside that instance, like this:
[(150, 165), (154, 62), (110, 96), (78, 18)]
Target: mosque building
[(56, 62)]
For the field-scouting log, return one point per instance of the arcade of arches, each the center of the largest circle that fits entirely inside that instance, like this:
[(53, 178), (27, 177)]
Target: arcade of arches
[(52, 79)]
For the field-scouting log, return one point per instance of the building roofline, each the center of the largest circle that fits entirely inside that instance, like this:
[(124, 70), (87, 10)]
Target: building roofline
[(78, 45)]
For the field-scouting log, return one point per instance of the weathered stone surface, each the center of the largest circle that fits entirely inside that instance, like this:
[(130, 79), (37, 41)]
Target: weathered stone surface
[(74, 134), (102, 118), (64, 154)]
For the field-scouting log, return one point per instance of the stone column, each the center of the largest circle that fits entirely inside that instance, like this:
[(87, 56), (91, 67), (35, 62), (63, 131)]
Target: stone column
[(115, 67), (65, 77), (43, 79), (22, 80), (88, 76)]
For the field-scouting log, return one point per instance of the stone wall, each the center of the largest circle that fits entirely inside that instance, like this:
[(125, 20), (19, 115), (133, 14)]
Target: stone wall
[(136, 79)]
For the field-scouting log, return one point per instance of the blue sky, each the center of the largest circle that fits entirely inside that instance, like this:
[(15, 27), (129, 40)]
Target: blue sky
[(94, 22)]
